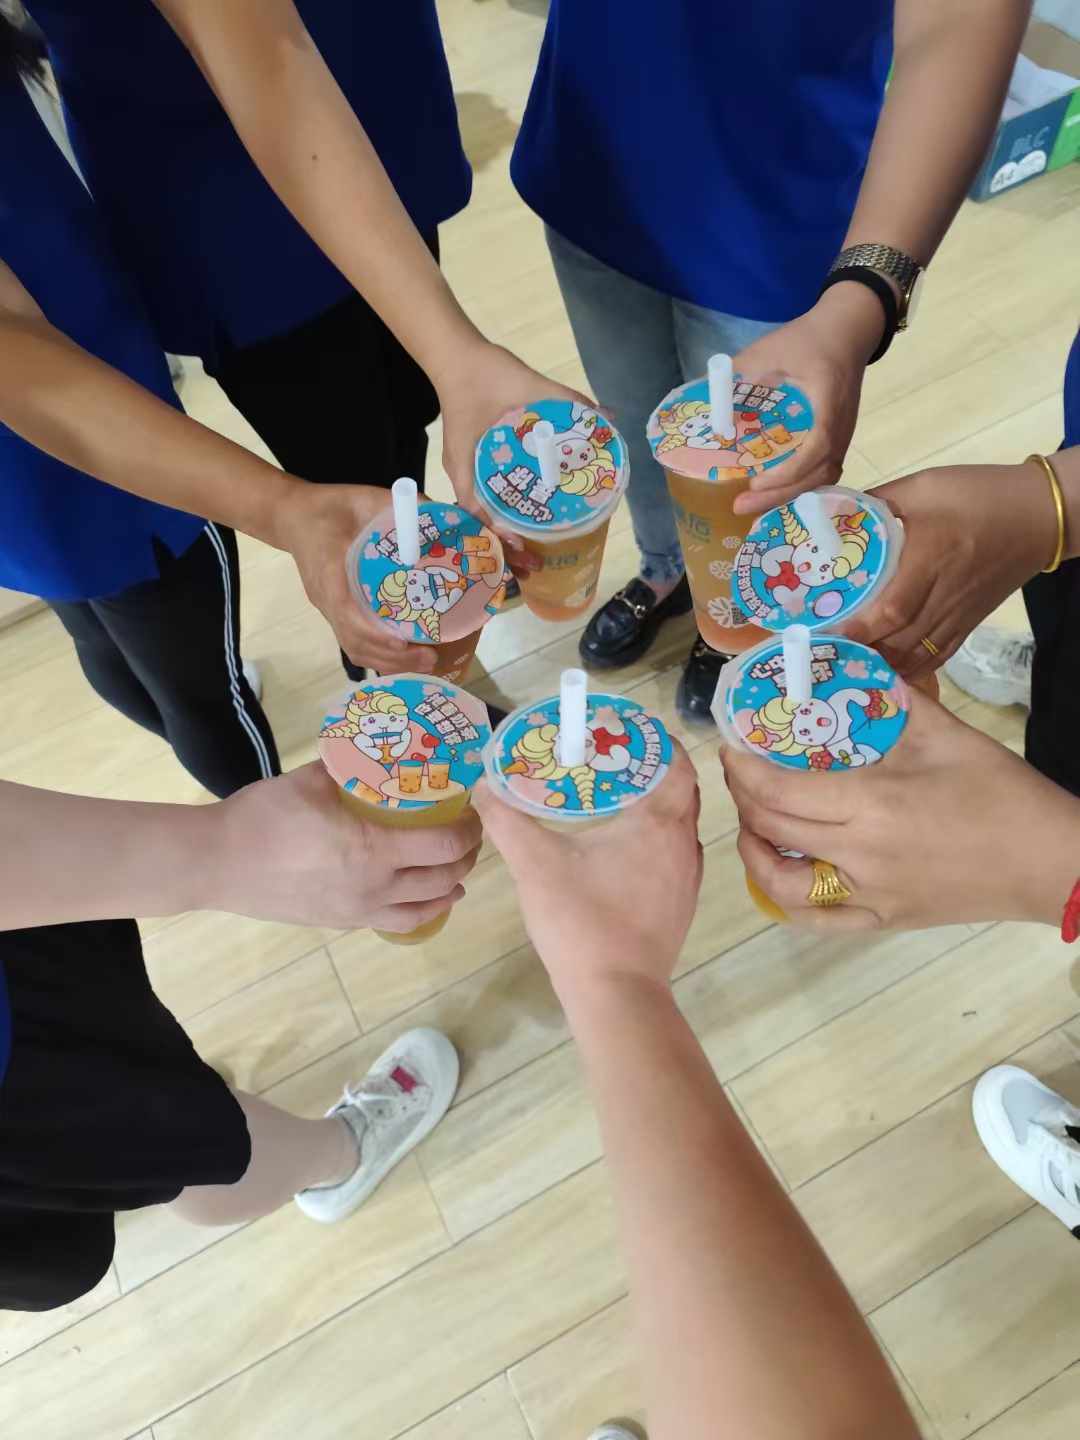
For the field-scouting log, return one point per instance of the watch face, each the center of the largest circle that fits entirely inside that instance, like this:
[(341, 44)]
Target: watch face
[(914, 298)]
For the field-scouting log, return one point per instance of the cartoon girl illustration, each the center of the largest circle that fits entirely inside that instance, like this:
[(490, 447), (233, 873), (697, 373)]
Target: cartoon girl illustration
[(795, 568), (606, 751), (377, 723), (426, 593), (820, 729), (586, 464), (689, 423)]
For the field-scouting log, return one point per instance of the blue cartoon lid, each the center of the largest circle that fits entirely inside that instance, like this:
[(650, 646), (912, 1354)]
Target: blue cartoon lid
[(592, 459), (458, 585), (857, 714), (781, 576), (627, 754), (771, 423), (406, 742)]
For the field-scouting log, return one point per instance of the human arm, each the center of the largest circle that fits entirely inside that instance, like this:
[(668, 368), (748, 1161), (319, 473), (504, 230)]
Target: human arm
[(952, 62), (282, 849), (301, 132), (973, 534), (952, 828), (723, 1272), (81, 411)]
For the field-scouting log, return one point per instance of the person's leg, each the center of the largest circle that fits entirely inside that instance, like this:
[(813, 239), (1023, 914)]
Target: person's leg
[(626, 339), (700, 333), (105, 666), (180, 636), (1053, 607)]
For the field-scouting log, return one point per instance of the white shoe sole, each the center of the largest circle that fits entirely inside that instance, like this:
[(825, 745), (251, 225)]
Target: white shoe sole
[(987, 1111), (447, 1068)]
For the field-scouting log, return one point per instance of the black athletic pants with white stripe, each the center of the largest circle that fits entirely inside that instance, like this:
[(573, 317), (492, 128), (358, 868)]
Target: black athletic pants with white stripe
[(166, 653)]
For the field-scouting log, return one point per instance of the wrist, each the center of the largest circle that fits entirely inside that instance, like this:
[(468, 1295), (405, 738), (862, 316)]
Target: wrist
[(1054, 868), (591, 996), (276, 520), (854, 315)]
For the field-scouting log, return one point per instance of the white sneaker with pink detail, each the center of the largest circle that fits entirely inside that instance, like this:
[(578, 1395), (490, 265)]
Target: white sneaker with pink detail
[(397, 1105)]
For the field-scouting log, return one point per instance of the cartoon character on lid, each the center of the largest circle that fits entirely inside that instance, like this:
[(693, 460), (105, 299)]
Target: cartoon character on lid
[(689, 423), (796, 568), (607, 751), (820, 729), (377, 722), (428, 591), (586, 464)]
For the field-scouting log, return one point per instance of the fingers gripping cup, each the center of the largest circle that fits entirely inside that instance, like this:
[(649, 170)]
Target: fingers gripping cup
[(577, 757), (811, 702), (437, 585), (406, 752), (553, 473), (712, 436)]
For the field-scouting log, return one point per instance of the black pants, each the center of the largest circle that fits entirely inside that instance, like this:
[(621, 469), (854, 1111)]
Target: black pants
[(1053, 729), (166, 653), (337, 400)]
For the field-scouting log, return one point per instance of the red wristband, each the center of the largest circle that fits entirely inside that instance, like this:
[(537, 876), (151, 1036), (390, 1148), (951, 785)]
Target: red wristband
[(1070, 921)]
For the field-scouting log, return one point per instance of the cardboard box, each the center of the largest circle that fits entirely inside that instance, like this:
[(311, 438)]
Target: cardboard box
[(1034, 138)]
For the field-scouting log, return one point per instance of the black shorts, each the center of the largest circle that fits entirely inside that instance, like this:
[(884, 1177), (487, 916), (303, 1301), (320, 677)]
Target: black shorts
[(105, 1106)]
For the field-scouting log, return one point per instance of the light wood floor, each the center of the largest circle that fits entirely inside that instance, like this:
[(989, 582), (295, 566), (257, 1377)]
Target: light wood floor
[(480, 1295)]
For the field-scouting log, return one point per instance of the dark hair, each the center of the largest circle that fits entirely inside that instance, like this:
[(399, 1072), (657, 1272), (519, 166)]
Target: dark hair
[(20, 48)]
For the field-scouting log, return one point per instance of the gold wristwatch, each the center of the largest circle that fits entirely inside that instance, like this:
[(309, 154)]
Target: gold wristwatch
[(884, 260)]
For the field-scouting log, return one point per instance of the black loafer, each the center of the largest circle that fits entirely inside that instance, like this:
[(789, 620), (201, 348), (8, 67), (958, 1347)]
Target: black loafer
[(624, 629), (694, 697)]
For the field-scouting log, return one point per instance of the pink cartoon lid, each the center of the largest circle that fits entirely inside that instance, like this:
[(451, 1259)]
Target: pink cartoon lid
[(627, 754), (405, 741), (590, 473), (771, 423), (854, 716), (458, 584)]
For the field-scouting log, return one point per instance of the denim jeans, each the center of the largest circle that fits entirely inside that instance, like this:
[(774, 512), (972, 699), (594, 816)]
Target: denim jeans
[(637, 344)]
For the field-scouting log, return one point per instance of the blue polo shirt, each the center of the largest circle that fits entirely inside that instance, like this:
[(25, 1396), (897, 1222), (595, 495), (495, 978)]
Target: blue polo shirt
[(220, 261), (64, 535), (712, 149)]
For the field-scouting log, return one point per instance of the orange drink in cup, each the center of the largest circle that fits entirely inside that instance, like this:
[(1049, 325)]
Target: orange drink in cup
[(406, 751)]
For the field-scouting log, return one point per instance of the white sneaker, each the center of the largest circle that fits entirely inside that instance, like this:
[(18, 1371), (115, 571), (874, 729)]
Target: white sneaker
[(614, 1432), (1033, 1134), (398, 1103), (994, 666), (253, 675)]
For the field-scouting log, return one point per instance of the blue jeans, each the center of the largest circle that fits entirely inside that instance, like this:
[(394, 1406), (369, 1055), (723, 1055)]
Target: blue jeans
[(637, 344)]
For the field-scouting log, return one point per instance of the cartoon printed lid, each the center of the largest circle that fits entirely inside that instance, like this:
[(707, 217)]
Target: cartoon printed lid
[(593, 463), (406, 741), (857, 714), (459, 584), (771, 423), (627, 754), (781, 576)]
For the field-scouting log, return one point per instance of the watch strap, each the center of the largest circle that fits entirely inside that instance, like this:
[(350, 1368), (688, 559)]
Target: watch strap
[(876, 282), (883, 258)]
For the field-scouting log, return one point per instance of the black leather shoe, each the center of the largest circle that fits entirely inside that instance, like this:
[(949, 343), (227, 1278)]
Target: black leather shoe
[(624, 629), (694, 697)]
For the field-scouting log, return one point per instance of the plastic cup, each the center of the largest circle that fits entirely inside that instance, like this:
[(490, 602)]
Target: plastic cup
[(563, 523), (706, 473), (447, 598), (627, 754), (406, 751), (855, 716)]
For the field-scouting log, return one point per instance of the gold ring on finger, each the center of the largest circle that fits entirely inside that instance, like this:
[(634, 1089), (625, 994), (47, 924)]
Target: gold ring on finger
[(828, 889), (929, 646)]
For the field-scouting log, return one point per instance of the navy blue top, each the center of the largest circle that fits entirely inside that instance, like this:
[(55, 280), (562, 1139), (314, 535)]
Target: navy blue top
[(1072, 395), (712, 149), (220, 260), (63, 535)]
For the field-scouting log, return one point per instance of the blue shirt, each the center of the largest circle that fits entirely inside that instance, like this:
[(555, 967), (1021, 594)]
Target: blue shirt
[(1072, 395), (63, 535), (711, 150), (220, 260)]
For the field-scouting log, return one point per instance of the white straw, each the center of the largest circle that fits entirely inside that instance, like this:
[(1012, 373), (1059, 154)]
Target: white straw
[(407, 521), (798, 675), (810, 509), (543, 433), (573, 705), (722, 396)]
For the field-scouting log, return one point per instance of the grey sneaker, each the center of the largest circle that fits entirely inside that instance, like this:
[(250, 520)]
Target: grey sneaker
[(994, 666), (398, 1103)]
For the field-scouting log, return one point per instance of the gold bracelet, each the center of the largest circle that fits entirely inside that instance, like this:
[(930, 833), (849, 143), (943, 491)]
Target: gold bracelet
[(1059, 506)]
